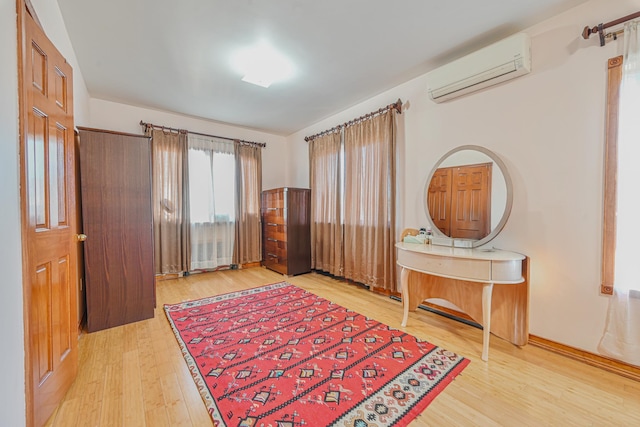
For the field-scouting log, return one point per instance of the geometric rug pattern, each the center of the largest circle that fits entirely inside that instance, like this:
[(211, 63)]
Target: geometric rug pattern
[(280, 356)]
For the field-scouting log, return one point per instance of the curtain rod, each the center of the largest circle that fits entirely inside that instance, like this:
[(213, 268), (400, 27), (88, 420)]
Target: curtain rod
[(395, 106), (170, 129), (601, 27)]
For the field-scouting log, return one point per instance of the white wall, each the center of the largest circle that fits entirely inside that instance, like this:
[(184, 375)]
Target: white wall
[(548, 127), (126, 118), (12, 402)]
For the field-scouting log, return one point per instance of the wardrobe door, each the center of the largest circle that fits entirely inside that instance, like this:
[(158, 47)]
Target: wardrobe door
[(298, 213), (117, 219), (286, 235)]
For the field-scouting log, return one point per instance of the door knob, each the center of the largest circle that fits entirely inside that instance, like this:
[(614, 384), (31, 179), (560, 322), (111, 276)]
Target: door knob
[(81, 237)]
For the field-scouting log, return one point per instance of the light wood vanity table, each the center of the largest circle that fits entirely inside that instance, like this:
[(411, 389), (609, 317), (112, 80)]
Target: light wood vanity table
[(467, 278), (468, 198)]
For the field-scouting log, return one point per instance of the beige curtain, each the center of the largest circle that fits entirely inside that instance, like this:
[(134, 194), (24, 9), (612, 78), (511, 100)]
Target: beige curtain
[(326, 195), (621, 337), (170, 201), (248, 242), (369, 212)]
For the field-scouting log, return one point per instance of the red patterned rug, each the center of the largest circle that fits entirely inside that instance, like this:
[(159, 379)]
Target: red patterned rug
[(280, 356)]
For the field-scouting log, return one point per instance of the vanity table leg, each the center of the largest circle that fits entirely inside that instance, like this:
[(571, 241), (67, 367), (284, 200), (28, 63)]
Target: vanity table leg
[(404, 283), (487, 290)]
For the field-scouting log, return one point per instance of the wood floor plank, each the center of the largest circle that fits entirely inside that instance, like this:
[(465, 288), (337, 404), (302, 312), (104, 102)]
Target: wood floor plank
[(111, 410), (136, 375), (91, 377), (174, 402), (133, 401), (130, 337), (191, 395), (155, 408)]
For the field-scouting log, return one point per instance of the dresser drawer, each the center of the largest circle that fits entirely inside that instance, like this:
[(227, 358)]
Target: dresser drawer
[(470, 269), (274, 215), (273, 199), (275, 247), (276, 263), (275, 231)]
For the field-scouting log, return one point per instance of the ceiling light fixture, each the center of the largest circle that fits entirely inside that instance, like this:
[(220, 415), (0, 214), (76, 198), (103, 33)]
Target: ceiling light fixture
[(262, 65)]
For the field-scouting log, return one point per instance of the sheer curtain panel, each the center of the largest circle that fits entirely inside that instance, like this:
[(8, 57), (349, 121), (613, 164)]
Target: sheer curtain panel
[(248, 237), (212, 201), (325, 179), (170, 201), (621, 338), (369, 198)]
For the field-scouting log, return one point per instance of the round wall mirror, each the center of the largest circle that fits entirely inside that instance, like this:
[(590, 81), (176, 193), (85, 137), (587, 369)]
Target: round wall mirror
[(468, 196)]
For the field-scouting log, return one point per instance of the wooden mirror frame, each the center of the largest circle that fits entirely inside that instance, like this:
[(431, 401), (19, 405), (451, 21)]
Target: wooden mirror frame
[(509, 197)]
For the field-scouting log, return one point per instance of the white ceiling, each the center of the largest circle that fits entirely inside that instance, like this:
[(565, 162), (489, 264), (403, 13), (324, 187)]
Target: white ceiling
[(175, 55)]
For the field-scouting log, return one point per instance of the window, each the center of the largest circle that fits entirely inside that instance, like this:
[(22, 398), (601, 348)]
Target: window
[(211, 189), (212, 202), (620, 202), (206, 193)]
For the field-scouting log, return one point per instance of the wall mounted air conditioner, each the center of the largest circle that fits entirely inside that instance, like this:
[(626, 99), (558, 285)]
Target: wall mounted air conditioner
[(501, 61)]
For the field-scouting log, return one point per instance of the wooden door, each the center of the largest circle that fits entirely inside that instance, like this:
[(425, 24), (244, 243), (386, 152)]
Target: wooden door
[(439, 199), (471, 201), (48, 221), (117, 215)]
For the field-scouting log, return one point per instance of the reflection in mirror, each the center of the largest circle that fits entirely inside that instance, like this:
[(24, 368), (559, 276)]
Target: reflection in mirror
[(468, 195)]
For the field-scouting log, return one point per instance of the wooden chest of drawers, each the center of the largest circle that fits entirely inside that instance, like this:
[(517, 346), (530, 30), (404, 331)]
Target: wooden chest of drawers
[(286, 230)]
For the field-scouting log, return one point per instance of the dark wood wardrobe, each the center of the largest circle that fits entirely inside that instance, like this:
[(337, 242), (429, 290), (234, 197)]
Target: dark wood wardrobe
[(117, 218)]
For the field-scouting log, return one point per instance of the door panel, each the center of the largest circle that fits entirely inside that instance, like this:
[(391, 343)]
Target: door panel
[(48, 229), (61, 172), (438, 199), (472, 202), (60, 82), (42, 327)]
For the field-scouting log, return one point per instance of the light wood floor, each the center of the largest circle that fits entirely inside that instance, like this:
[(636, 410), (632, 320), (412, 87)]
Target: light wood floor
[(134, 375)]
